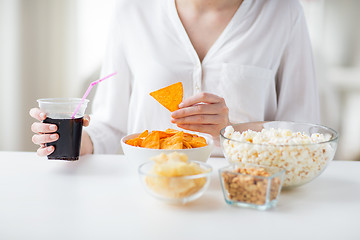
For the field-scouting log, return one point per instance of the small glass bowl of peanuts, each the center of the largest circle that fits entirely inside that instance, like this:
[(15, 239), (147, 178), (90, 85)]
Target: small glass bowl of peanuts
[(254, 186)]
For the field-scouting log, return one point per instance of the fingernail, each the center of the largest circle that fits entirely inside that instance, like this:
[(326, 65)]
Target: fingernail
[(52, 127), (53, 136), (181, 105), (42, 115), (50, 149)]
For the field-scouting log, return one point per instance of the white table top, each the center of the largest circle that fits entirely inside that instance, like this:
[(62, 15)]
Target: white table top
[(101, 197)]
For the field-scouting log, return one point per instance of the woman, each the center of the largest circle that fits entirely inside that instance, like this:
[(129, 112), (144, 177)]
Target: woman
[(242, 60)]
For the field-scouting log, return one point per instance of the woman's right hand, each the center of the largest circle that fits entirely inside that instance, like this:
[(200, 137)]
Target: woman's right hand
[(45, 132)]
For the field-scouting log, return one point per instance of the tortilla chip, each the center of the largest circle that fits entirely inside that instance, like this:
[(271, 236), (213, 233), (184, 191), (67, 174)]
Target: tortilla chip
[(186, 145), (170, 96), (171, 131), (151, 141), (163, 134), (144, 134), (136, 142), (168, 139), (188, 137), (174, 142), (198, 142), (131, 142)]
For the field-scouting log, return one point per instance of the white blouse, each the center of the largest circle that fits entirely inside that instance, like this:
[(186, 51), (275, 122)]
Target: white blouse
[(261, 65)]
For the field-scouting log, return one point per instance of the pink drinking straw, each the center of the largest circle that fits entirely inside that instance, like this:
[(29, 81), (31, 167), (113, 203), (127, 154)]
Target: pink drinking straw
[(88, 91)]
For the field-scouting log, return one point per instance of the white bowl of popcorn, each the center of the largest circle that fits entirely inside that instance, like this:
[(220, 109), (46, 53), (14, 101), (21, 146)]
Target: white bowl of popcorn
[(304, 150)]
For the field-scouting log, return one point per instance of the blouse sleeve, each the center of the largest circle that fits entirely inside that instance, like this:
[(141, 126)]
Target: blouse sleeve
[(110, 105), (296, 85)]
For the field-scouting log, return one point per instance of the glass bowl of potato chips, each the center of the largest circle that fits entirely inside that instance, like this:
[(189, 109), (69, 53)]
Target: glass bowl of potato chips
[(140, 147), (174, 179)]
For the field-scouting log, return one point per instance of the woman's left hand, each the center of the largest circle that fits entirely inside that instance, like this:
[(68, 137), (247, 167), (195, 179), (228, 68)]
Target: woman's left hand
[(203, 112)]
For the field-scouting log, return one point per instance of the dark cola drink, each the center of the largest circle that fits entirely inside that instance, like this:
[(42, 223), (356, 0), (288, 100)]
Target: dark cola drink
[(67, 147)]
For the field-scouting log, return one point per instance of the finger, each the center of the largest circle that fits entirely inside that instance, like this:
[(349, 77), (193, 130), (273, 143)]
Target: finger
[(215, 108), (38, 127), (202, 97), (86, 120), (203, 128), (45, 151), (37, 114), (44, 138), (199, 119)]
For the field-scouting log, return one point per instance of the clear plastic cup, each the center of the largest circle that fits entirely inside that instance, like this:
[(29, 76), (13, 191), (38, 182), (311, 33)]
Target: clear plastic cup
[(59, 111)]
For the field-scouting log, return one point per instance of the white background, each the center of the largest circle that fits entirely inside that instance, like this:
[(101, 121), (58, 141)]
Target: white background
[(54, 49)]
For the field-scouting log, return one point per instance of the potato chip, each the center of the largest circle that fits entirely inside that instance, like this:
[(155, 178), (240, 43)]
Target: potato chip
[(175, 165), (170, 96)]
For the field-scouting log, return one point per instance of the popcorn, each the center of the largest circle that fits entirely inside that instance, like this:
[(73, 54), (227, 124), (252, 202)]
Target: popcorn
[(302, 156)]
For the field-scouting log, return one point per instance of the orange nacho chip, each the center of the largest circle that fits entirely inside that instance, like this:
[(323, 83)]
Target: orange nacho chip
[(173, 142), (135, 142), (171, 131), (169, 139), (151, 141), (170, 96), (198, 142), (163, 135), (144, 134), (138, 140), (186, 145)]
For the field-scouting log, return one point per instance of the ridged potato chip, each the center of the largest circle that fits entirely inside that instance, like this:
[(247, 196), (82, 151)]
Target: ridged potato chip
[(175, 165)]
